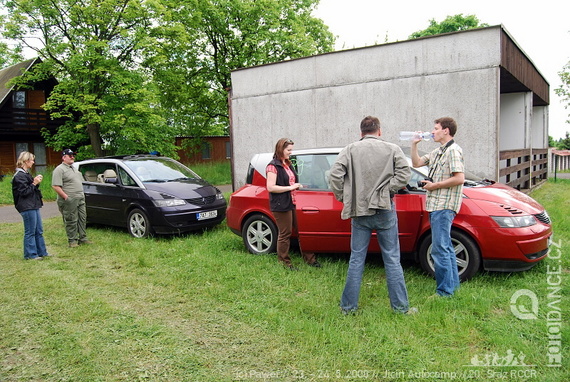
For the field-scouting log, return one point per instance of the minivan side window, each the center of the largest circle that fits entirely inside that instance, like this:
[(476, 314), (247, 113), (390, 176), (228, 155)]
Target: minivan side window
[(89, 173), (126, 179), (93, 172), (314, 170)]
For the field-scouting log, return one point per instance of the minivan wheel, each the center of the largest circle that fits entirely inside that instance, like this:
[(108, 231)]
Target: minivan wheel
[(138, 224), (466, 251), (259, 235)]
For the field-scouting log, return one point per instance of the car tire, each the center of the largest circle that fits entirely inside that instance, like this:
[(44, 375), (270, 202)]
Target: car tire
[(138, 224), (466, 250), (259, 235)]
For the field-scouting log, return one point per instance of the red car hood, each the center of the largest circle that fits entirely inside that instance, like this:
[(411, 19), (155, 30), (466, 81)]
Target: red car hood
[(505, 197)]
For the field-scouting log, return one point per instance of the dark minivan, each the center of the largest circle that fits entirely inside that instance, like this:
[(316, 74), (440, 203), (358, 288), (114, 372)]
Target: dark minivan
[(149, 194)]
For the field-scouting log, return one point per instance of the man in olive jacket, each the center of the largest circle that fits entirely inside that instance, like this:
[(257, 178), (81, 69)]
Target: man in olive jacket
[(365, 177), (68, 184)]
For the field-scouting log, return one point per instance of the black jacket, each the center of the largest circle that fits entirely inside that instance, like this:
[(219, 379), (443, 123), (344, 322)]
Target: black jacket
[(282, 202), (26, 195)]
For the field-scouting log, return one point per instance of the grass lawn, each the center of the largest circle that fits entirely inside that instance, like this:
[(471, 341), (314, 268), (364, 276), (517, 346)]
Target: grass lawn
[(198, 307)]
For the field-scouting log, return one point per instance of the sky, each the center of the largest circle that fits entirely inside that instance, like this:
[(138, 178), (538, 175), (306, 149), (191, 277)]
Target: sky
[(540, 28)]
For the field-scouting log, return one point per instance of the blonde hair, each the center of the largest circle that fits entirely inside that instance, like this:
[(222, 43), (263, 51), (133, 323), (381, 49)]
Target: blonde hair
[(24, 157)]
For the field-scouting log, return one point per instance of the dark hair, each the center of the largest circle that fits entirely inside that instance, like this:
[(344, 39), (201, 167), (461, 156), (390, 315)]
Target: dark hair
[(369, 125), (280, 146), (447, 123)]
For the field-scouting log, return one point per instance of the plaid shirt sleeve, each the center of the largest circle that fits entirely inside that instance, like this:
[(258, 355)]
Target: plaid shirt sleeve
[(456, 163)]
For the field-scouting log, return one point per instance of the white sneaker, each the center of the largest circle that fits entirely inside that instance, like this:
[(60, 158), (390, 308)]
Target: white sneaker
[(412, 310)]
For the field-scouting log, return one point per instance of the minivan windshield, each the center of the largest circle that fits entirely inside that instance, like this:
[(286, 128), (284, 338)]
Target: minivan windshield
[(160, 170)]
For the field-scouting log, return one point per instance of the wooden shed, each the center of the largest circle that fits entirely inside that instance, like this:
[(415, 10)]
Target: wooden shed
[(22, 119)]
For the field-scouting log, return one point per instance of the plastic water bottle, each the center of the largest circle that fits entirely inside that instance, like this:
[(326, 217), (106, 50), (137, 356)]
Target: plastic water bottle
[(412, 135)]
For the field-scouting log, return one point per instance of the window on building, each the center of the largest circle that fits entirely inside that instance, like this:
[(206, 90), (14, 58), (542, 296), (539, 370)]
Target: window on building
[(41, 158), (206, 151), (21, 147), (19, 100), (228, 150)]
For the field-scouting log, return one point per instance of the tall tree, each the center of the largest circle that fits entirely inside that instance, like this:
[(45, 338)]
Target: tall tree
[(564, 90), (133, 72), (210, 38), (450, 24), (92, 48), (9, 56), (564, 143)]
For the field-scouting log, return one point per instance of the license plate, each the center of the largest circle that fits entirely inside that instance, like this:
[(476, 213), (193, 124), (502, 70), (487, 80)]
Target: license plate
[(206, 215)]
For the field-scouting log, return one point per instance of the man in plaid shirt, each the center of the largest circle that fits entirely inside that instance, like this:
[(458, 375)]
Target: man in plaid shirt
[(444, 193)]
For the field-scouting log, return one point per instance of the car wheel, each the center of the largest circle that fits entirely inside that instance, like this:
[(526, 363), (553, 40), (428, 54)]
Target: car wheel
[(138, 224), (466, 251), (259, 235)]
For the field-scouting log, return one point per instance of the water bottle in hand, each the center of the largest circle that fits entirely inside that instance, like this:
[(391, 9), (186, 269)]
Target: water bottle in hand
[(413, 135)]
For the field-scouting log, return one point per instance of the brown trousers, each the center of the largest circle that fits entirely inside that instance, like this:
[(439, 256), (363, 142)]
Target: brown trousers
[(286, 222)]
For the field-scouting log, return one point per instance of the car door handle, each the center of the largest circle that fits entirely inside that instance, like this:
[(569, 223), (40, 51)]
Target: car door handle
[(310, 209)]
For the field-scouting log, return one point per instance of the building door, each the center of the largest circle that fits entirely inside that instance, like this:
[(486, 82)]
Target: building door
[(41, 159), (20, 147)]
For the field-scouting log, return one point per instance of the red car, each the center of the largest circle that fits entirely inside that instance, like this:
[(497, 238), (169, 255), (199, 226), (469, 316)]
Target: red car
[(497, 229)]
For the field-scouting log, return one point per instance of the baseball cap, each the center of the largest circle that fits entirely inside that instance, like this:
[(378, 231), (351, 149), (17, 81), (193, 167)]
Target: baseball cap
[(67, 152)]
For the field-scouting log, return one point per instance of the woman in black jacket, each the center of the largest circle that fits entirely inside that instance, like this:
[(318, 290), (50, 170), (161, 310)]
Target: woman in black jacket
[(28, 201), (282, 184)]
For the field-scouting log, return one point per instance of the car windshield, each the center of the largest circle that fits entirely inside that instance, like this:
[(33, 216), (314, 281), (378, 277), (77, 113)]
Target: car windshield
[(160, 170)]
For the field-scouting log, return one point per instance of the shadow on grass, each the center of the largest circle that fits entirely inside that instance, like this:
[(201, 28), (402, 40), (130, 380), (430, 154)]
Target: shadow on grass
[(154, 236)]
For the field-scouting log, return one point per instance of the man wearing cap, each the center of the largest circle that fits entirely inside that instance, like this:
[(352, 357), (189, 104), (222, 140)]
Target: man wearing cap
[(68, 184)]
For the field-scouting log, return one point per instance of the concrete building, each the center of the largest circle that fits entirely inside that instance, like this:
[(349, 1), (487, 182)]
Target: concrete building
[(480, 77)]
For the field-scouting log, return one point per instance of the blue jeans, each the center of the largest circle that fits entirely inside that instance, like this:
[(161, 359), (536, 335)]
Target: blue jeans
[(34, 244), (443, 252), (385, 222)]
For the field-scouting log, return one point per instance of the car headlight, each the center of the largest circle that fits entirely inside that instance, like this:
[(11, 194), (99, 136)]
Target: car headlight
[(168, 202), (514, 221), (219, 196)]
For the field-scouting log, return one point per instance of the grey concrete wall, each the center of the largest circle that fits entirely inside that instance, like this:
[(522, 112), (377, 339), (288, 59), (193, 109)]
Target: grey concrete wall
[(319, 101)]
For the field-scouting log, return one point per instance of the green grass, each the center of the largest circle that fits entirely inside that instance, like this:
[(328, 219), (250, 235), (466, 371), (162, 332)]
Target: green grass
[(45, 186), (214, 172), (198, 307)]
